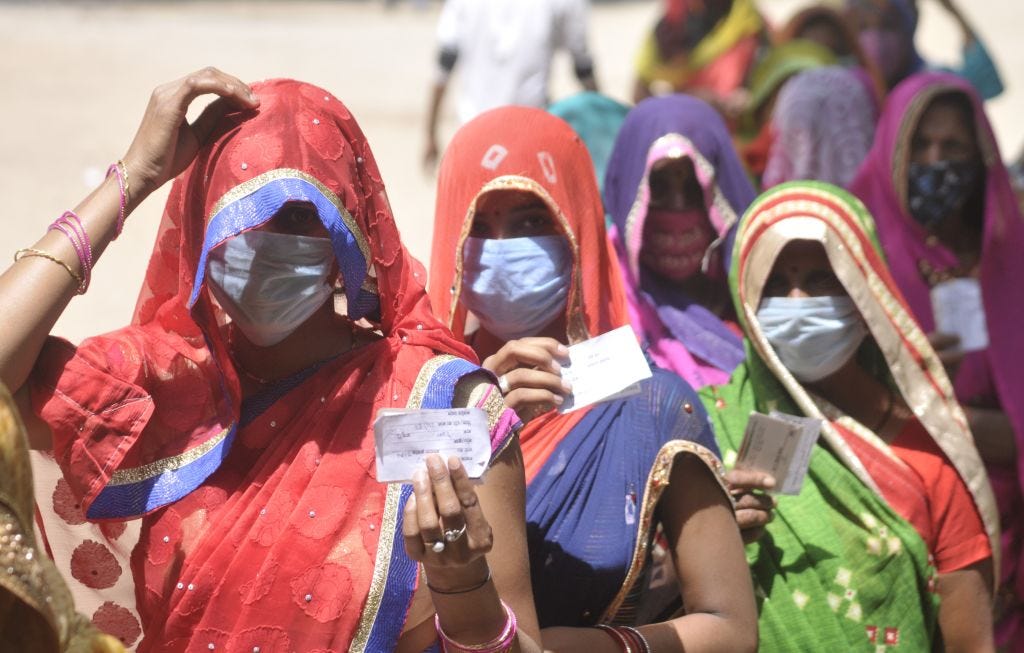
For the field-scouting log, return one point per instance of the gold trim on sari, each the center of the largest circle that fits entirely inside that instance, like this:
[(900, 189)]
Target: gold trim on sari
[(576, 326), (657, 481), (922, 381)]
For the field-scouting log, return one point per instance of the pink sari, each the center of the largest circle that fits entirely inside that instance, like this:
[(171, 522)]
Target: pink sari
[(996, 375)]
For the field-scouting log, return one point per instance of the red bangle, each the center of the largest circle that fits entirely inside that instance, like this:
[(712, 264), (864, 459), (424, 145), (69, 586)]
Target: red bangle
[(620, 638)]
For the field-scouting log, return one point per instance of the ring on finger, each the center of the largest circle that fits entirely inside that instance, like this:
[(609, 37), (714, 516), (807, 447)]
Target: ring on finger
[(452, 534), (437, 547), (503, 384)]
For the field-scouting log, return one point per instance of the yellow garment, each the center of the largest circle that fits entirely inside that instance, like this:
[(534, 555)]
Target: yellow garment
[(742, 21), (37, 614)]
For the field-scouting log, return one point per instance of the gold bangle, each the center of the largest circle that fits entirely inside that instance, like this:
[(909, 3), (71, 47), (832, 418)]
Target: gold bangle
[(28, 252), (124, 176)]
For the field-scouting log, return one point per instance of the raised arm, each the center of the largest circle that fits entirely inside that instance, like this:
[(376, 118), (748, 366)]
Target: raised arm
[(36, 289)]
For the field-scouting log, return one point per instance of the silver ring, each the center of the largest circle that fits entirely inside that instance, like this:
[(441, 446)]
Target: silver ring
[(503, 384), (437, 547), (452, 534)]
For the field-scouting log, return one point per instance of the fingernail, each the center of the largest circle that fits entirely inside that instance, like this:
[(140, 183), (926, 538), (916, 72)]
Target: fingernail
[(454, 463), (555, 365), (566, 386), (563, 350), (419, 477), (559, 400), (769, 481)]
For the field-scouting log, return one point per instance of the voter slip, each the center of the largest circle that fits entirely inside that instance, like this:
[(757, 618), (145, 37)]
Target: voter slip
[(404, 437), (781, 445), (959, 311), (610, 366)]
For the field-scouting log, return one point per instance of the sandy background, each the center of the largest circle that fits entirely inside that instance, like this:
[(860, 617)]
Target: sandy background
[(75, 79)]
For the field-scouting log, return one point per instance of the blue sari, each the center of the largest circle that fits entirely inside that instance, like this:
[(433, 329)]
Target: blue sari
[(591, 510)]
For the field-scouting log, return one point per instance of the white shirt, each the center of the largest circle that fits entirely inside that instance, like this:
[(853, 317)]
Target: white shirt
[(505, 47)]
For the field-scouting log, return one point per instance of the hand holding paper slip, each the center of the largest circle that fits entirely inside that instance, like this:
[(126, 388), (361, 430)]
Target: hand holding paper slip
[(609, 366), (404, 437), (781, 445)]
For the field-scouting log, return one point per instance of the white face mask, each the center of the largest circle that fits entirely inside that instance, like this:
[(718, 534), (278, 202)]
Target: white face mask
[(516, 286), (813, 336), (269, 283)]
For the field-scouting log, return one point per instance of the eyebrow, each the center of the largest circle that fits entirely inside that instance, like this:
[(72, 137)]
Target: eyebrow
[(531, 206)]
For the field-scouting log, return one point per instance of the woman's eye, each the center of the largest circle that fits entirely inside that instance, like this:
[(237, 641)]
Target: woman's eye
[(534, 222)]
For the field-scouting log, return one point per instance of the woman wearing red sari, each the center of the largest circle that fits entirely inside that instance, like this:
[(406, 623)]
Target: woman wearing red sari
[(240, 431), (519, 241)]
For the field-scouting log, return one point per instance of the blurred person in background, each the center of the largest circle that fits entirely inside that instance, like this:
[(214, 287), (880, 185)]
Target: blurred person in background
[(829, 27), (519, 245), (887, 29), (704, 48), (777, 65), (596, 119), (823, 125), (503, 50), (892, 539), (674, 189), (947, 214)]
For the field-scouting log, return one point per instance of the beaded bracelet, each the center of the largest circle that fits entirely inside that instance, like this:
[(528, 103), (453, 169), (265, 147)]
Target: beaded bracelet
[(121, 172), (500, 644), (70, 225)]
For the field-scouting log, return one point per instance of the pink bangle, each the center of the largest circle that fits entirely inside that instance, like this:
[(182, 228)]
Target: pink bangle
[(115, 168), (71, 226), (500, 644)]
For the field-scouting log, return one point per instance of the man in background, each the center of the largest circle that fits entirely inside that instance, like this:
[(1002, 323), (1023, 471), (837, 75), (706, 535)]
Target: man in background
[(504, 50)]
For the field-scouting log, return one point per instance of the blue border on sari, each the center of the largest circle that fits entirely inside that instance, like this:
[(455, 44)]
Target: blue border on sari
[(402, 570), (259, 206), (139, 498)]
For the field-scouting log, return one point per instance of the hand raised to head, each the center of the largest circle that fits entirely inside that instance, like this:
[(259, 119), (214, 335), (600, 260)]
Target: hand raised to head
[(166, 143)]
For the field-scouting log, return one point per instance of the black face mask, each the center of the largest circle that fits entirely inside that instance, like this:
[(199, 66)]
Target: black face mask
[(938, 190)]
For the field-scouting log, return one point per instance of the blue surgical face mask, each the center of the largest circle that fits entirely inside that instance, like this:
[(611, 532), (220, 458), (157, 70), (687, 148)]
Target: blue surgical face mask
[(269, 283), (516, 286), (813, 336)]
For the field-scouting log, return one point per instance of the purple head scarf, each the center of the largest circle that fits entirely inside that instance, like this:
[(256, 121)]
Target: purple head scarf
[(881, 183), (681, 335)]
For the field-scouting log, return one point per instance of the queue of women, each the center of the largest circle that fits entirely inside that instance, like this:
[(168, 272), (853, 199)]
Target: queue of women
[(220, 448)]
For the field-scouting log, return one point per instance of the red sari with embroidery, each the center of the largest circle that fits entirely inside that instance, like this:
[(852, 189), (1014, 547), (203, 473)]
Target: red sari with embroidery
[(267, 531)]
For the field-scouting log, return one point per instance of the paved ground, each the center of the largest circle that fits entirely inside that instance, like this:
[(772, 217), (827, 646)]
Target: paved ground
[(76, 78)]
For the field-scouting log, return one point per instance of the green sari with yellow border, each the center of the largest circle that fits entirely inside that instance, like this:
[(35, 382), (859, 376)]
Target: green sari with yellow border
[(838, 568)]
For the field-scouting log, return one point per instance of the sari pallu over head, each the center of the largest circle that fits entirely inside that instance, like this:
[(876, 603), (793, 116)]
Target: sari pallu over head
[(823, 126), (273, 534), (681, 335), (588, 467), (882, 185), (838, 566), (719, 59)]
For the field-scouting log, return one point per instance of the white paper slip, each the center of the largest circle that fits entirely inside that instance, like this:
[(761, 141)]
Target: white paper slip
[(603, 368), (781, 445), (959, 310), (404, 437)]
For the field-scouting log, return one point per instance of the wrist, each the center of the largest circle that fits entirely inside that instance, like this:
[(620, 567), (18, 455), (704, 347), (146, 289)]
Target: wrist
[(458, 580)]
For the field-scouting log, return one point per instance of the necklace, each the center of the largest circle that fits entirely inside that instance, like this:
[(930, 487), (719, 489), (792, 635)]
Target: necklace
[(237, 363), (887, 415)]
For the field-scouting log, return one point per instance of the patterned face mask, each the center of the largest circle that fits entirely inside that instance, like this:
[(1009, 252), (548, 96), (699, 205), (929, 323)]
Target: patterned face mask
[(938, 190)]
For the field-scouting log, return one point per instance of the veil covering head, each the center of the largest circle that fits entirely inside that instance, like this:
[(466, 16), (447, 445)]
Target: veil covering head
[(253, 506)]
